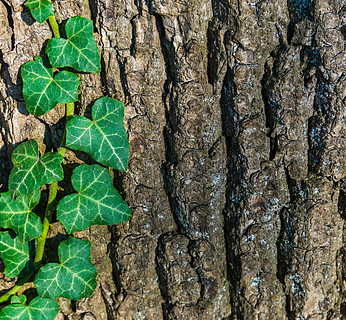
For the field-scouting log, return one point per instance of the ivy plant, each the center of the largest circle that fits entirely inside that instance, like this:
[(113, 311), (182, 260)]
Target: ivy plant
[(95, 201)]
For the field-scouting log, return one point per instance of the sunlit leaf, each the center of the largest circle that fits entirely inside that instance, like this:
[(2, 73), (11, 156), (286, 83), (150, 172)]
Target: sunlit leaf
[(30, 172), (16, 255), (38, 309), (42, 91), (74, 278), (40, 9), (96, 200), (104, 138), (79, 50), (17, 215)]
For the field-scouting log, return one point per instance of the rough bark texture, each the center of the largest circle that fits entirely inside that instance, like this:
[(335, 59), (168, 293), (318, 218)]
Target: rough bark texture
[(235, 111)]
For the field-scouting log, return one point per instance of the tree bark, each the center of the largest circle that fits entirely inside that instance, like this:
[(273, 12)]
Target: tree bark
[(235, 112)]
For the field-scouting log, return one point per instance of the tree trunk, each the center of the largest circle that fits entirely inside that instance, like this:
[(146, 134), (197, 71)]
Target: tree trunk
[(235, 112)]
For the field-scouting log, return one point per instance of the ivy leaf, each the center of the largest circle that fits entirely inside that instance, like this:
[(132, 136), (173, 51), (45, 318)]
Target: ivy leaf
[(74, 278), (17, 215), (16, 255), (97, 201), (79, 50), (104, 138), (42, 92), (30, 172), (41, 10), (38, 309), (18, 299)]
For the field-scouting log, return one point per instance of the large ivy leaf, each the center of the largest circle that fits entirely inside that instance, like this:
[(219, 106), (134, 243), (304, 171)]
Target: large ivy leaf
[(97, 201), (30, 172), (17, 215), (42, 92), (41, 10), (104, 138), (16, 255), (79, 50), (74, 278), (38, 309)]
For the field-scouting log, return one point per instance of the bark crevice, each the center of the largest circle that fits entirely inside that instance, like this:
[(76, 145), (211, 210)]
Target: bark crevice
[(236, 193)]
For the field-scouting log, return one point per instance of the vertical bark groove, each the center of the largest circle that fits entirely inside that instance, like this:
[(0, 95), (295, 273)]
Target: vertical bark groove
[(236, 193)]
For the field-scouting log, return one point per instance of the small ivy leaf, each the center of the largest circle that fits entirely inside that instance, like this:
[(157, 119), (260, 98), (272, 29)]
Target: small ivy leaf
[(18, 299), (104, 138), (30, 172), (42, 92), (74, 278), (17, 215), (38, 309), (16, 255), (79, 50), (97, 201), (41, 10)]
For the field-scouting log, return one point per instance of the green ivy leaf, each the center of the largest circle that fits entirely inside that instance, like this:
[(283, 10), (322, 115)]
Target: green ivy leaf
[(41, 10), (42, 92), (18, 299), (17, 215), (30, 172), (105, 137), (38, 309), (15, 254), (79, 50), (97, 201), (74, 278)]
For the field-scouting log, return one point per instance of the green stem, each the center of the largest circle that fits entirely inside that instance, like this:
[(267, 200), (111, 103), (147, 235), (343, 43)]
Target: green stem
[(15, 289), (69, 111), (53, 190), (54, 26), (41, 240)]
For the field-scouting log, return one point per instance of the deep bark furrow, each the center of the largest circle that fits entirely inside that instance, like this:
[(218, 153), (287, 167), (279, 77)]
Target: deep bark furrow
[(162, 278), (236, 193), (271, 100), (294, 228)]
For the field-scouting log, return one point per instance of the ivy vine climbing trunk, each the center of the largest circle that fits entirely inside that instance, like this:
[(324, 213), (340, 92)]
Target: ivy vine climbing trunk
[(235, 112)]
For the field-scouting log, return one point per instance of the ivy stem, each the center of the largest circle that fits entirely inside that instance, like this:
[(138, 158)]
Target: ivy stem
[(54, 26), (53, 190), (15, 289), (69, 111)]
